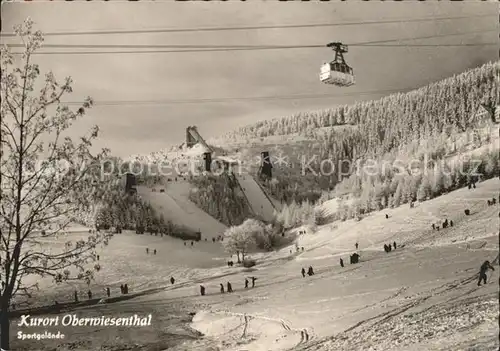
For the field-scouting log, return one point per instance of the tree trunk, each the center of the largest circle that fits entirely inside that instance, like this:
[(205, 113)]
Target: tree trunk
[(4, 329), (238, 256)]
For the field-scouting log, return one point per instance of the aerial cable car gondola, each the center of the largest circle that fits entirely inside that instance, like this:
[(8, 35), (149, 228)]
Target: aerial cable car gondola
[(337, 72)]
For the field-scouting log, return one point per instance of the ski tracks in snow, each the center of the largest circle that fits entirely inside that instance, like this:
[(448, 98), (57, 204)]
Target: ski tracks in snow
[(306, 334)]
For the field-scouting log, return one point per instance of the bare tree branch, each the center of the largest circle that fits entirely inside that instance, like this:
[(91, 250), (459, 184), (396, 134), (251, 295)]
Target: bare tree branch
[(40, 198)]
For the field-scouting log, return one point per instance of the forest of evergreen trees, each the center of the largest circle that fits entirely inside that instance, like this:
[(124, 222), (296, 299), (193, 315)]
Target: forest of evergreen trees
[(394, 120), (389, 188), (288, 187)]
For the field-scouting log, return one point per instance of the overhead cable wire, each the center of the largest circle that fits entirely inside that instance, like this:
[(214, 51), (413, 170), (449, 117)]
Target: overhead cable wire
[(260, 27), (242, 49), (208, 48), (230, 99), (246, 47)]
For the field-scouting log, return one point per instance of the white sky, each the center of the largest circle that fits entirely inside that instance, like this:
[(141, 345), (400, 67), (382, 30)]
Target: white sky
[(143, 128)]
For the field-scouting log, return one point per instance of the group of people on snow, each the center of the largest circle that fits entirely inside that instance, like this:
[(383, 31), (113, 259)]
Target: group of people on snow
[(229, 286)]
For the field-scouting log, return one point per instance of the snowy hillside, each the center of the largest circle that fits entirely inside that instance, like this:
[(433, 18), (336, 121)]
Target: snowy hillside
[(421, 296)]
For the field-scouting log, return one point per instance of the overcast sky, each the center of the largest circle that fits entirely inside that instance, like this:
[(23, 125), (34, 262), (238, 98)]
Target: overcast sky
[(141, 128)]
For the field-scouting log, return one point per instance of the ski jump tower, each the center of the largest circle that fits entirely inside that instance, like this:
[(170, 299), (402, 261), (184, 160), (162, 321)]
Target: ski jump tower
[(266, 168), (193, 138)]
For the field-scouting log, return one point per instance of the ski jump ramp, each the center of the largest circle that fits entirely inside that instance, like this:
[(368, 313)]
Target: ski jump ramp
[(175, 206), (193, 137), (260, 203)]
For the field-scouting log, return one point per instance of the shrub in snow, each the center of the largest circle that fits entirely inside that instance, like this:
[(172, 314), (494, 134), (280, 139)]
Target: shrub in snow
[(248, 263), (321, 217), (253, 235)]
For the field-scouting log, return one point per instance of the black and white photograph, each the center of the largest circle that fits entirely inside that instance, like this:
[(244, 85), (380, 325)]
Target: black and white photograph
[(249, 175)]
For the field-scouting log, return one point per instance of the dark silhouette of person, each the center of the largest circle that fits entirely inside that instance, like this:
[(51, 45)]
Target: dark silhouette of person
[(386, 248), (451, 223), (76, 296), (394, 245), (184, 243), (202, 290), (98, 257), (89, 293), (108, 291), (356, 246), (125, 289), (192, 243), (154, 252), (342, 263), (310, 271), (303, 271), (147, 250), (172, 280), (122, 289), (229, 287), (482, 272), (213, 239), (302, 248), (246, 283), (221, 288), (253, 281), (433, 226), (386, 216)]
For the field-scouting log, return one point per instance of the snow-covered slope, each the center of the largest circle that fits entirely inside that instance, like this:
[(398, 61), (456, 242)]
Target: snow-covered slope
[(422, 296), (419, 297)]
